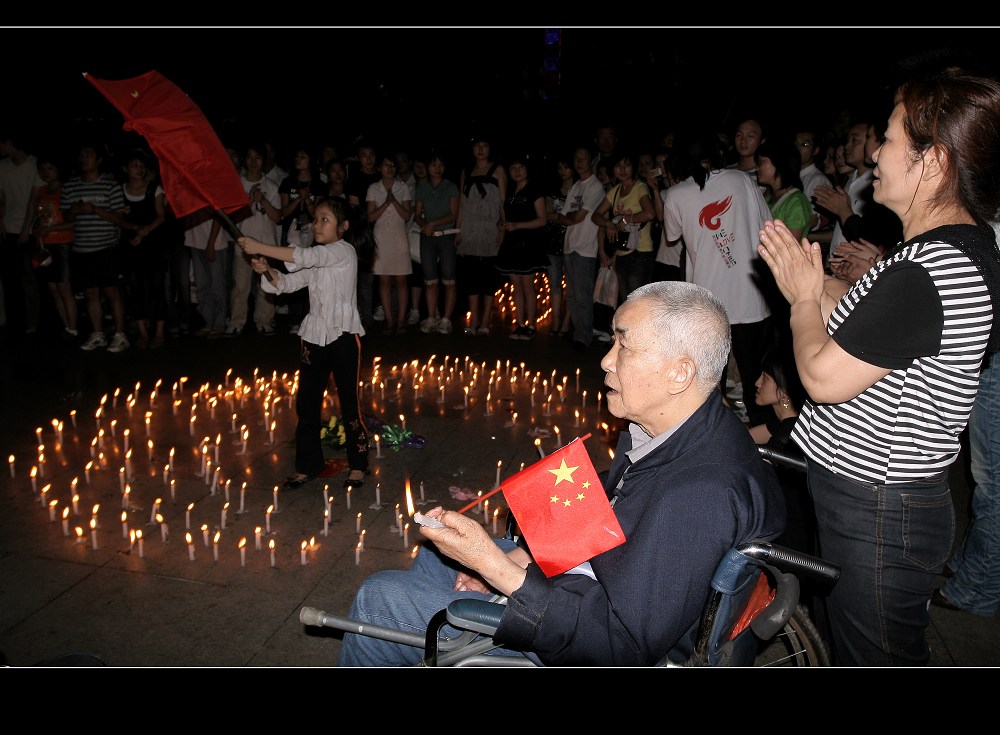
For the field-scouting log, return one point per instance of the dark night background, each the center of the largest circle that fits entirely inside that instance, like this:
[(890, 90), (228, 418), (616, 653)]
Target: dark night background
[(531, 89)]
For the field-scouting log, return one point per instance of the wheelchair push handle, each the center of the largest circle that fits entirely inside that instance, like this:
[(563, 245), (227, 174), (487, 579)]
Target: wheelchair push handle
[(790, 560), (782, 457)]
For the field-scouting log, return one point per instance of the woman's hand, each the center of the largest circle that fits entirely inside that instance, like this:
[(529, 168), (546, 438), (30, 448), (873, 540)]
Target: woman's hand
[(851, 260), (466, 582), (248, 245), (797, 267)]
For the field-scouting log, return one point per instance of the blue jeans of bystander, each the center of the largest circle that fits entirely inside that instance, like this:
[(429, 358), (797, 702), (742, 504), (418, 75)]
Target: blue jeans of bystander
[(975, 586), (581, 272), (406, 600), (890, 541)]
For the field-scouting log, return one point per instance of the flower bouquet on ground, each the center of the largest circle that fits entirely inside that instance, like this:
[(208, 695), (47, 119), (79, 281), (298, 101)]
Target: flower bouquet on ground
[(394, 437), (333, 435)]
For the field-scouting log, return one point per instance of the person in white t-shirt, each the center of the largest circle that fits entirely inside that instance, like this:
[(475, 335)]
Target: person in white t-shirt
[(580, 246), (718, 213)]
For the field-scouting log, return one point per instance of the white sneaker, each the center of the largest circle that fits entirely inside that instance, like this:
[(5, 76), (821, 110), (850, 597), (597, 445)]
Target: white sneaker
[(294, 329), (430, 324), (281, 309), (379, 314), (119, 343), (444, 326), (413, 317), (603, 337), (95, 340)]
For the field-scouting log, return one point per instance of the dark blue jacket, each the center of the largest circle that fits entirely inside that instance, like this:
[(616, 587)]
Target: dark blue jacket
[(681, 507)]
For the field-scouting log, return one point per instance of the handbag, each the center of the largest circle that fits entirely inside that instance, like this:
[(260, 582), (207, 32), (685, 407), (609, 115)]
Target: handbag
[(628, 239), (606, 287)]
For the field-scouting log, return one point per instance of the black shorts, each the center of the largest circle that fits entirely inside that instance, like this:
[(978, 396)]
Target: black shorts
[(99, 269), (477, 276)]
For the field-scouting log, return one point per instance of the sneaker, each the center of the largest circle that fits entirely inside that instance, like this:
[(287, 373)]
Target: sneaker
[(430, 324), (119, 343), (281, 309), (483, 331), (444, 326), (603, 337), (232, 332), (413, 317), (519, 333), (294, 329), (529, 333), (267, 330), (95, 340), (379, 314)]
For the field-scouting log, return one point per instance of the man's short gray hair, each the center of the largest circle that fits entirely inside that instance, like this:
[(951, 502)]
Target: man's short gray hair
[(687, 319)]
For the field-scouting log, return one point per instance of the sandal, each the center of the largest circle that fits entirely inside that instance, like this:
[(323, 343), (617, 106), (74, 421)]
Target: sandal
[(353, 481), (293, 482)]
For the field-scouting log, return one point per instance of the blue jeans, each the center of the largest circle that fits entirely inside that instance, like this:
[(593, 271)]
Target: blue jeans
[(211, 286), (581, 272), (975, 587), (406, 600), (890, 541)]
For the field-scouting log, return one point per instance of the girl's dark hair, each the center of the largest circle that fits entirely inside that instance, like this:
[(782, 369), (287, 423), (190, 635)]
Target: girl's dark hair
[(691, 153), (786, 159), (779, 363), (960, 115), (359, 232)]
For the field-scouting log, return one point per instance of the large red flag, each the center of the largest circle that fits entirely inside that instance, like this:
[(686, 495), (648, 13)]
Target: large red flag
[(562, 510), (194, 166)]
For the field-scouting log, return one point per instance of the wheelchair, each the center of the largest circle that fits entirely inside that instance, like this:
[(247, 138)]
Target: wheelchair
[(752, 616)]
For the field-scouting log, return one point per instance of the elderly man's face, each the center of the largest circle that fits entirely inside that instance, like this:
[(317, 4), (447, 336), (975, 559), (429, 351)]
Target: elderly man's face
[(637, 374)]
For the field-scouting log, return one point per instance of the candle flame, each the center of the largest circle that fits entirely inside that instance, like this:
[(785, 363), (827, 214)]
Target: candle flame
[(187, 537), (270, 544), (218, 535), (65, 513), (409, 500), (242, 543)]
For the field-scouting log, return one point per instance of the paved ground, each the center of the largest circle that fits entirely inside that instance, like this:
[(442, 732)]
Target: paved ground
[(166, 603)]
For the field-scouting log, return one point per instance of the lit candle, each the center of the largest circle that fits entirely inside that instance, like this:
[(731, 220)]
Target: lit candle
[(125, 495), (378, 493), (497, 483), (65, 521), (191, 424), (243, 551), (125, 440), (148, 417), (598, 402), (215, 545), (357, 554), (357, 524), (441, 399), (465, 399), (149, 445), (53, 504), (274, 495), (270, 545), (406, 535), (256, 539), (486, 511), (402, 421), (164, 530), (190, 543), (204, 534), (246, 435), (34, 478), (348, 496), (378, 447), (121, 479), (138, 537), (326, 521), (171, 462), (270, 433), (362, 538), (72, 417), (326, 495), (576, 417), (124, 524), (558, 436), (86, 471), (38, 435), (93, 534), (225, 509), (187, 516), (496, 512), (76, 505), (232, 427), (10, 461), (302, 553), (267, 518), (538, 446), (173, 491), (156, 509), (243, 492), (578, 380)]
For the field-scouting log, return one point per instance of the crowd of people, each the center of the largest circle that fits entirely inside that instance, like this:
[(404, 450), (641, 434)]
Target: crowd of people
[(801, 244)]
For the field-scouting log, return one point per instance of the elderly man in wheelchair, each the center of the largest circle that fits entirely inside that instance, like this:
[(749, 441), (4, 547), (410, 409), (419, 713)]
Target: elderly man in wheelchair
[(686, 485)]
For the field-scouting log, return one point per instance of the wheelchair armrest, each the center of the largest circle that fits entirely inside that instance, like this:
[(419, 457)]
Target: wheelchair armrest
[(481, 616), (779, 611)]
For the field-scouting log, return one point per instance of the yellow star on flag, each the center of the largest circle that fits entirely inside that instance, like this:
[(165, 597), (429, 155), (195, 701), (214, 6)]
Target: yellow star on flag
[(564, 472)]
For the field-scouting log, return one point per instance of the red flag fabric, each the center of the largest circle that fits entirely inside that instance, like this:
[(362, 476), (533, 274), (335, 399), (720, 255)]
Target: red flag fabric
[(562, 510), (195, 169)]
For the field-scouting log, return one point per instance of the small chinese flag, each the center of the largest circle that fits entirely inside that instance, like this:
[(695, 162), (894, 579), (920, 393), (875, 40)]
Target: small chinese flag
[(562, 510), (194, 166)]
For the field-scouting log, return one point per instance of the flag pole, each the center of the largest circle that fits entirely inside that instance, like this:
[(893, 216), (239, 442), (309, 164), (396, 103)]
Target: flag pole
[(497, 489)]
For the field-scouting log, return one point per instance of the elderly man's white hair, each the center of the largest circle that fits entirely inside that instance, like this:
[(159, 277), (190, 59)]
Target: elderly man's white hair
[(687, 319)]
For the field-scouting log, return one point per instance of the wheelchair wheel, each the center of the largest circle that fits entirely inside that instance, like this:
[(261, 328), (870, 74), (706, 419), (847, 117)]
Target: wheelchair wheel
[(797, 644)]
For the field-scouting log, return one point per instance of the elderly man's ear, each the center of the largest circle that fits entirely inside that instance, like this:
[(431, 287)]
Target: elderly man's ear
[(681, 374)]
